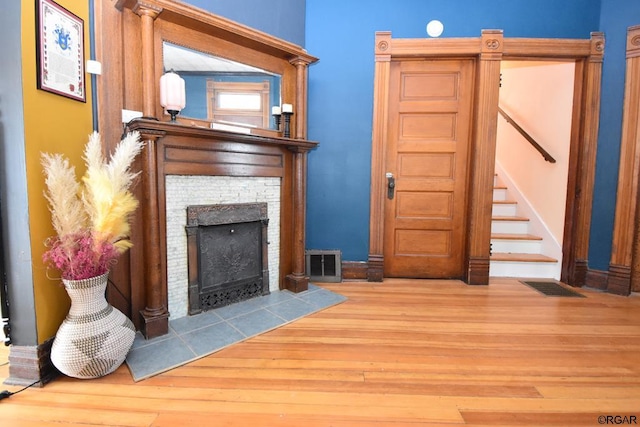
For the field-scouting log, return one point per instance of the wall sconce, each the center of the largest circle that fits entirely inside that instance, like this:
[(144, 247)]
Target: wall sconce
[(172, 93)]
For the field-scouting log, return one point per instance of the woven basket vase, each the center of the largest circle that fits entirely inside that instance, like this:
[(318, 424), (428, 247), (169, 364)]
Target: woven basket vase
[(95, 337)]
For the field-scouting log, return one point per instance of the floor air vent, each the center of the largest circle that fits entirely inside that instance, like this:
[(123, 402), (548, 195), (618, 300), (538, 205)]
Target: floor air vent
[(324, 265)]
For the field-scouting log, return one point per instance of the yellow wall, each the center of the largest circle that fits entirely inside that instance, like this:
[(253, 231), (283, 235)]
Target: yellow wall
[(53, 123)]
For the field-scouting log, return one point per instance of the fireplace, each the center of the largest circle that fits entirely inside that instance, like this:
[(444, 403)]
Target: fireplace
[(183, 191), (185, 166), (227, 254)]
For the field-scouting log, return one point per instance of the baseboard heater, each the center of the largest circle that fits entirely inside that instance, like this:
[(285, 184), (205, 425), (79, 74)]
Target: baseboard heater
[(324, 265)]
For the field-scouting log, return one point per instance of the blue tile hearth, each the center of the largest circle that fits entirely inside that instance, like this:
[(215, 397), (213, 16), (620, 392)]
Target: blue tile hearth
[(193, 337)]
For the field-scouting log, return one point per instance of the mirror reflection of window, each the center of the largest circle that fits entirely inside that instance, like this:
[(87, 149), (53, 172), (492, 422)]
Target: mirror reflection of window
[(243, 94), (239, 103)]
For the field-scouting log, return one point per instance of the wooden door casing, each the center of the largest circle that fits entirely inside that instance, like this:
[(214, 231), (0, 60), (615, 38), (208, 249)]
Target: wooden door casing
[(487, 51), (430, 105)]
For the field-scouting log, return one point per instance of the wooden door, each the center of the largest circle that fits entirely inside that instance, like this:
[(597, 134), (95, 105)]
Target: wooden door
[(425, 227)]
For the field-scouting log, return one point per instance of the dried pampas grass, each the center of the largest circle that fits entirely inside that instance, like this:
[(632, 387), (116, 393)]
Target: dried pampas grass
[(91, 218)]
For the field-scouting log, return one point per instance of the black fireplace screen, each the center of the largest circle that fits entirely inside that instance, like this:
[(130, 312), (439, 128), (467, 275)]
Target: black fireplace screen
[(227, 252)]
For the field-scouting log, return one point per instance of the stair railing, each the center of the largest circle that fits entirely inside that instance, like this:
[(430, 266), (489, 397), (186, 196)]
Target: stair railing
[(528, 137)]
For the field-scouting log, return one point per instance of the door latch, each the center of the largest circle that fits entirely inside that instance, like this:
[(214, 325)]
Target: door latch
[(391, 185)]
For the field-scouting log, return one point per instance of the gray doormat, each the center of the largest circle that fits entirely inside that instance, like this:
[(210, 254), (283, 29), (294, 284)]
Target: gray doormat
[(552, 289)]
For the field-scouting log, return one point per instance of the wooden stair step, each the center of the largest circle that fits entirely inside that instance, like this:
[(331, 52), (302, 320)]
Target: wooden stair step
[(508, 236), (509, 218), (505, 202), (518, 257)]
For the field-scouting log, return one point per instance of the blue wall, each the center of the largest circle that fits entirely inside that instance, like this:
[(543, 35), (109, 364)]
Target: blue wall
[(616, 17), (341, 34), (280, 18)]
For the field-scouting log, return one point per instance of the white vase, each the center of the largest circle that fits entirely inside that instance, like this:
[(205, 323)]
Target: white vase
[(95, 337)]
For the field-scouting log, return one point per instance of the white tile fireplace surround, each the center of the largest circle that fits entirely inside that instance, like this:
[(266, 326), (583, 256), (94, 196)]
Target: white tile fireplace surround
[(183, 191)]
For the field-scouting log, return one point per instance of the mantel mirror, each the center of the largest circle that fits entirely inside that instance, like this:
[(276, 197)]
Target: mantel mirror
[(223, 91)]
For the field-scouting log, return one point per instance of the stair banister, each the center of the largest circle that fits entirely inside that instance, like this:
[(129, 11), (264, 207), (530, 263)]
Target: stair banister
[(548, 157)]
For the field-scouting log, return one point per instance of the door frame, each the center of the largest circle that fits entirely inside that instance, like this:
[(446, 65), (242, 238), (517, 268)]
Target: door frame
[(487, 51), (624, 267)]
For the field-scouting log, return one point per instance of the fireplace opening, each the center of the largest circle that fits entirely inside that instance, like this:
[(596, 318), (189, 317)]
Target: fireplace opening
[(227, 254)]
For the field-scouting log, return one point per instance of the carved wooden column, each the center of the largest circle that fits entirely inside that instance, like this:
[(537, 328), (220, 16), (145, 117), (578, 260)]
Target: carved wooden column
[(147, 15), (484, 152), (155, 315), (375, 270), (626, 219), (301, 97), (298, 281), (591, 112)]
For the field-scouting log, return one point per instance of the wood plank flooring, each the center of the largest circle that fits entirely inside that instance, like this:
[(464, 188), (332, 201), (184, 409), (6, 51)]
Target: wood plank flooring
[(396, 354)]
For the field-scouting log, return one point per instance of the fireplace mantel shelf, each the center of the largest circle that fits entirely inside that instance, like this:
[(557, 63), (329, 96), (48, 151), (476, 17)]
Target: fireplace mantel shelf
[(150, 127)]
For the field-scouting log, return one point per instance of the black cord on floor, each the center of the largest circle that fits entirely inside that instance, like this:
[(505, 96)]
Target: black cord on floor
[(6, 393)]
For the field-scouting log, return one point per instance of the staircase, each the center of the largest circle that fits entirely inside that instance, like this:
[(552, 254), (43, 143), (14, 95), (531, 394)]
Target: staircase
[(514, 251)]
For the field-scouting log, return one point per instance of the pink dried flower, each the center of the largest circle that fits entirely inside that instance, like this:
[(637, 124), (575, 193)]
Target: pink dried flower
[(80, 257), (91, 217)]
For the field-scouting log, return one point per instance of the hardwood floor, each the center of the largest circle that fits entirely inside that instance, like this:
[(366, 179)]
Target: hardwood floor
[(399, 353)]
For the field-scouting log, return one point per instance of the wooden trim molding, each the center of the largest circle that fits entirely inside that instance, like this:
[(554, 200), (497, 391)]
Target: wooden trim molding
[(584, 134), (28, 364), (625, 230), (354, 270), (581, 212), (483, 150), (597, 279), (379, 135), (192, 17)]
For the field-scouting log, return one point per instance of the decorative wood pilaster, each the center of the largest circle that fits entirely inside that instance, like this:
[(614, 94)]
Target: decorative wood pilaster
[(300, 106), (148, 14), (590, 109), (625, 230), (298, 281), (155, 314), (375, 272), (484, 153)]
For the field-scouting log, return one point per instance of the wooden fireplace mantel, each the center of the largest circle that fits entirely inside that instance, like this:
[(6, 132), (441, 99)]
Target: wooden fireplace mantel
[(155, 128), (177, 149), (130, 81)]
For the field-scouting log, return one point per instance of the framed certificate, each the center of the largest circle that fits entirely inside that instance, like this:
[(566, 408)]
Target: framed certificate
[(60, 51)]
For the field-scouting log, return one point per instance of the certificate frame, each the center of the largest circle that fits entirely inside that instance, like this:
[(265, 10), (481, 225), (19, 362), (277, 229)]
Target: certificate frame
[(60, 51)]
